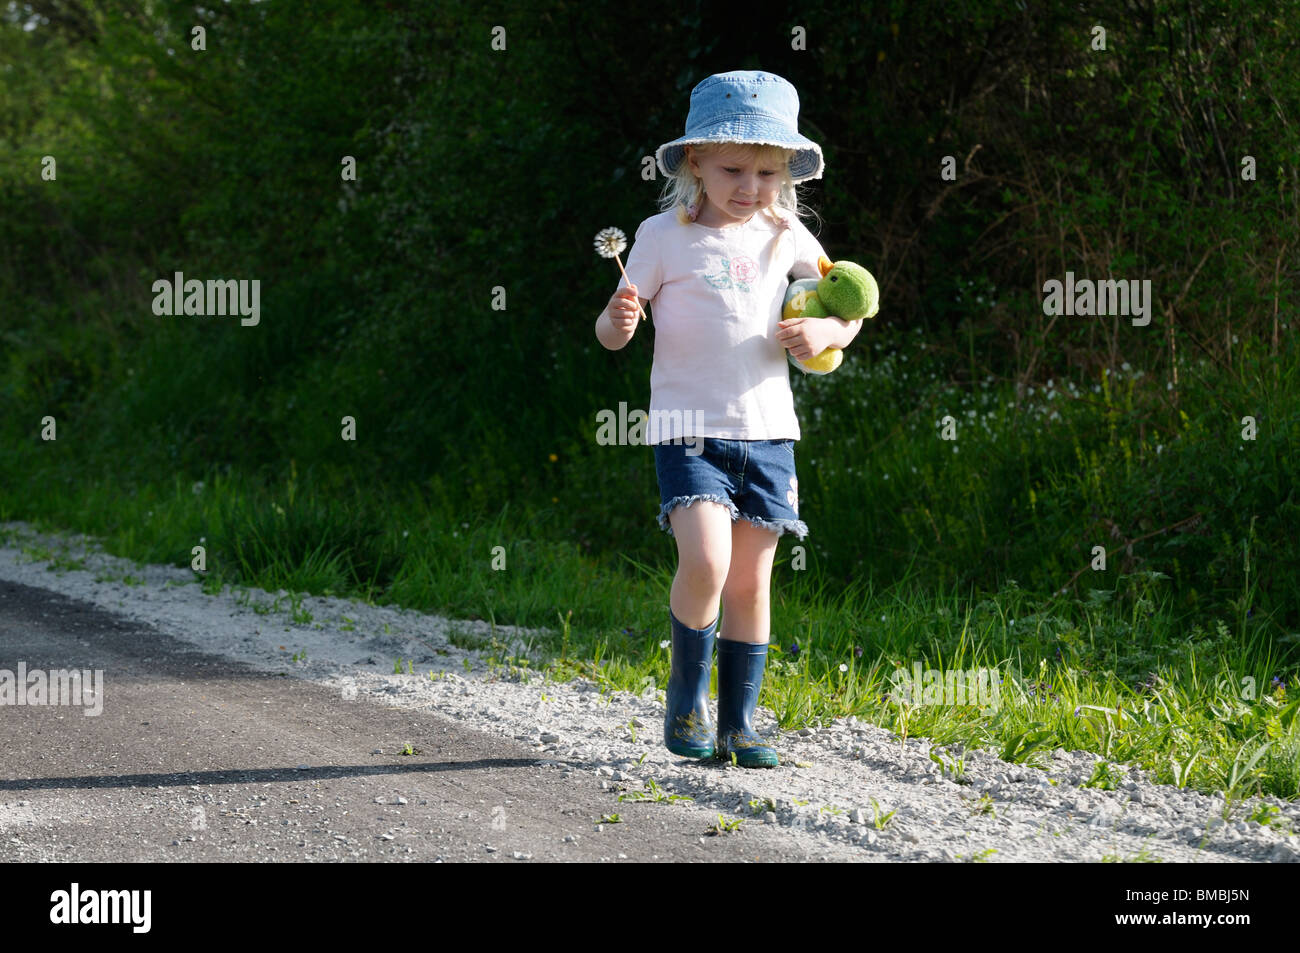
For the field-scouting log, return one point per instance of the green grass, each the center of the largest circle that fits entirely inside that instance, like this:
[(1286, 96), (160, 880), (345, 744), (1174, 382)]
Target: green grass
[(653, 792), (724, 826)]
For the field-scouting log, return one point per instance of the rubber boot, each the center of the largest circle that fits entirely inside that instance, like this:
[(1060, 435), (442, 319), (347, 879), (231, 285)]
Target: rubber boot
[(688, 729), (740, 676)]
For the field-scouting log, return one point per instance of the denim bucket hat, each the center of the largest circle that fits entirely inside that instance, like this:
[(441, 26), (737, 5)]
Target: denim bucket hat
[(745, 106)]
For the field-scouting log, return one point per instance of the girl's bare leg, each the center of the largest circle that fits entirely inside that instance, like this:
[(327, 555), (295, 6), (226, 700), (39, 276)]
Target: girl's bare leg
[(747, 592), (703, 532)]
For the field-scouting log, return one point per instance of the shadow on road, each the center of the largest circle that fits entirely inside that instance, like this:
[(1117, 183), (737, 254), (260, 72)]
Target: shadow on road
[(257, 775)]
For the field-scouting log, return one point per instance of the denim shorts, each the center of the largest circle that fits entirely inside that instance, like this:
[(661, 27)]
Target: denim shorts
[(753, 479)]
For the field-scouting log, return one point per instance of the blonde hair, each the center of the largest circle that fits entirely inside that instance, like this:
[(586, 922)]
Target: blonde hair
[(684, 188)]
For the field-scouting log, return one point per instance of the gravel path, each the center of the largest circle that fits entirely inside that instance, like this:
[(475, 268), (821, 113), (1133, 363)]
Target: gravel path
[(834, 784)]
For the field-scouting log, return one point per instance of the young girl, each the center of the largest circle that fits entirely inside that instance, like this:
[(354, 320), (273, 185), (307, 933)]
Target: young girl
[(715, 264)]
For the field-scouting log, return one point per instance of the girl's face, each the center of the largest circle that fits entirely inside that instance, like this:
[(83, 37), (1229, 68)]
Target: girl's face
[(736, 185)]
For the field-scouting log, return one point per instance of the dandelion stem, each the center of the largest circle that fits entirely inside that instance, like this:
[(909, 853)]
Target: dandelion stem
[(629, 281)]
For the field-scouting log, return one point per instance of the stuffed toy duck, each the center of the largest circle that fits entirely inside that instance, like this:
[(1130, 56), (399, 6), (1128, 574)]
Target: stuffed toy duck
[(846, 290)]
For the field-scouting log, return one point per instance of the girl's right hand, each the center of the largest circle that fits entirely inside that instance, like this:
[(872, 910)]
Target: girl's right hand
[(623, 313)]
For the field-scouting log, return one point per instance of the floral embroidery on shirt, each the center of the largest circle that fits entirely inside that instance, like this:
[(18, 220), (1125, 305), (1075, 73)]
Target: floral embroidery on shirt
[(792, 495), (739, 273)]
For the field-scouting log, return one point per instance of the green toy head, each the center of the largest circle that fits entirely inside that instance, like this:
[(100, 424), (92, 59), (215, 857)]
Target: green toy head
[(849, 292)]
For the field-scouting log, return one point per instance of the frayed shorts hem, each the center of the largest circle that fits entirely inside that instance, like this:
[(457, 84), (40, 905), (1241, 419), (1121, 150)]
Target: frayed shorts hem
[(677, 501), (798, 527)]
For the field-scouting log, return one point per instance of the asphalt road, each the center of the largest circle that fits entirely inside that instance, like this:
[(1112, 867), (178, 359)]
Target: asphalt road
[(198, 758)]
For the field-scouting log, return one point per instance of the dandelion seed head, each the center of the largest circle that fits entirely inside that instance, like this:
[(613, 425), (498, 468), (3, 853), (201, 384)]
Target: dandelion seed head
[(610, 242)]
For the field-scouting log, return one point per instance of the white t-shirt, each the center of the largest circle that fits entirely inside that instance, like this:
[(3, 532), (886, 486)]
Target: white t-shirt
[(716, 296)]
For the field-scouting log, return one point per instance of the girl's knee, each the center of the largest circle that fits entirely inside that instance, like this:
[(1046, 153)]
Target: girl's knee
[(747, 591), (703, 574)]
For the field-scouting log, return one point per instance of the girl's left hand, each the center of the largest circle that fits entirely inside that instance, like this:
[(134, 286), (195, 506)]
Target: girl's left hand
[(805, 338)]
